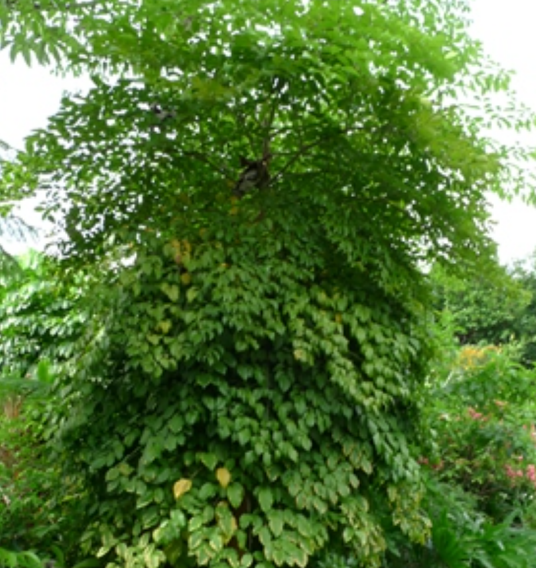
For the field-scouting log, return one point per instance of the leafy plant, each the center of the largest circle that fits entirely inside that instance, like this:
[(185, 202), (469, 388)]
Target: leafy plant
[(246, 391), (483, 422), (38, 323), (463, 536), (492, 308), (26, 559), (37, 502), (40, 320)]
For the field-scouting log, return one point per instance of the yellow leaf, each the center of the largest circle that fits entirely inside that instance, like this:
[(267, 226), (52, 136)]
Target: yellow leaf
[(175, 250), (186, 278), (299, 354), (181, 250), (125, 469), (338, 318), (165, 326), (223, 476), (181, 487), (186, 247)]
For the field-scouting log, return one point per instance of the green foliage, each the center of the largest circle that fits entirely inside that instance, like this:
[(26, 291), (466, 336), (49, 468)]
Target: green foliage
[(301, 392), (463, 537), (487, 308), (481, 458), (26, 559), (525, 274), (311, 85), (40, 319), (496, 307), (39, 322), (246, 388), (37, 502)]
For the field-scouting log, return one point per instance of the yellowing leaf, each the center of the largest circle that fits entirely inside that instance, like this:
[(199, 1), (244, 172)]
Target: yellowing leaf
[(181, 487), (171, 291), (175, 245), (186, 278), (125, 469), (338, 318), (181, 250), (186, 248), (223, 476), (164, 326), (299, 354)]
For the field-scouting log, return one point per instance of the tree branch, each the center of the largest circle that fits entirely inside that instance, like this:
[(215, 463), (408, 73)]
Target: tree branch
[(303, 150), (267, 124)]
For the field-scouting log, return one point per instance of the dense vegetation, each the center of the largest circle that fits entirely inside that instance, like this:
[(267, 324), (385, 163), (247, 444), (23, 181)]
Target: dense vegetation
[(216, 367), (496, 307)]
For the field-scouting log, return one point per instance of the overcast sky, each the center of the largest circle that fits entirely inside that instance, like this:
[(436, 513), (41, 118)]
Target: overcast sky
[(29, 95)]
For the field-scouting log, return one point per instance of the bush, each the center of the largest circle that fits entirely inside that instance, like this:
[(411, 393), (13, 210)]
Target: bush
[(39, 510)]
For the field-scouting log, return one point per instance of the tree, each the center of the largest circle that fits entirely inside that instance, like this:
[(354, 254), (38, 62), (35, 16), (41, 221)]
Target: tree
[(492, 308), (246, 392), (487, 308), (525, 274)]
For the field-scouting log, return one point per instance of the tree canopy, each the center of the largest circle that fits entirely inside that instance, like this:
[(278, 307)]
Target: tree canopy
[(492, 308), (246, 391)]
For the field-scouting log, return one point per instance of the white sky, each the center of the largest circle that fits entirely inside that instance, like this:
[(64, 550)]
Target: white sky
[(29, 95), (507, 31)]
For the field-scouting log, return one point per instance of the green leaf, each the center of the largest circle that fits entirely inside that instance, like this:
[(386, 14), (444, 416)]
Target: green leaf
[(235, 494), (265, 498), (275, 522), (210, 461), (176, 424), (207, 491), (191, 294), (194, 524), (303, 526)]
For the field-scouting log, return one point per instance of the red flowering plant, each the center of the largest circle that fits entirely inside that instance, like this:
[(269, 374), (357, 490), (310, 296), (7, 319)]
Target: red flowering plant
[(482, 412)]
